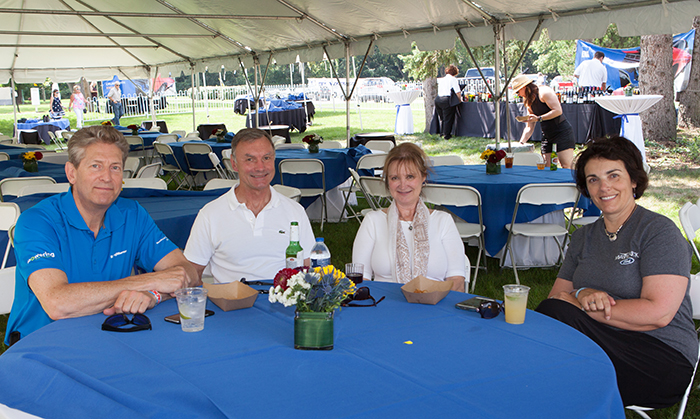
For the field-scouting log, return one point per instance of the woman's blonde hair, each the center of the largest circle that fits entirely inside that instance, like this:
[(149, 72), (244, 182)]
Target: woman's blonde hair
[(408, 154)]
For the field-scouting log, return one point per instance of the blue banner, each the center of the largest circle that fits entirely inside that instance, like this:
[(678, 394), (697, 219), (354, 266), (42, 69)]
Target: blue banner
[(622, 64)]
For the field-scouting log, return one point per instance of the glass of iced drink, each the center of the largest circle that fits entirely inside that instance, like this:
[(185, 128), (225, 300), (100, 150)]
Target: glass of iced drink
[(192, 303), (515, 300)]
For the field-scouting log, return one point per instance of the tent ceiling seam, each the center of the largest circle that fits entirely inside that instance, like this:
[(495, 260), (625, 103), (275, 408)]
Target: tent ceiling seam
[(313, 20), (142, 15)]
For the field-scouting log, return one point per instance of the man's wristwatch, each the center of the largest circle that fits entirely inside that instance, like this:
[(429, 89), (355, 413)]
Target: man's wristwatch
[(539, 118)]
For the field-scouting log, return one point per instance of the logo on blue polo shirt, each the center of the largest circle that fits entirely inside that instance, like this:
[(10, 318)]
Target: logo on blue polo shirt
[(117, 254), (41, 255)]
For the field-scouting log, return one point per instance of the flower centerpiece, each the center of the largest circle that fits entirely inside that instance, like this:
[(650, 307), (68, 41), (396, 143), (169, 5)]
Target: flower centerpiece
[(106, 123), (134, 129), (316, 293), (29, 160), (219, 133), (629, 89), (313, 140), (493, 160)]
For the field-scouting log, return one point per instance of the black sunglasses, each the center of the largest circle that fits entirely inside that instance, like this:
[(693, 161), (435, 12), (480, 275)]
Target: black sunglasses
[(361, 294), (121, 323), (490, 309), (265, 283)]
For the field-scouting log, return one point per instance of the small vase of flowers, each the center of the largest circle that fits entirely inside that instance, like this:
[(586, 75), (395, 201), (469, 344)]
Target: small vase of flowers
[(629, 89), (30, 160), (134, 129), (106, 123), (313, 140), (493, 160), (316, 293)]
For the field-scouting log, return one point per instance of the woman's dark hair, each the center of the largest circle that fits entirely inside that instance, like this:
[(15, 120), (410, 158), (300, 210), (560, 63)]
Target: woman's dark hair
[(613, 148), (531, 92)]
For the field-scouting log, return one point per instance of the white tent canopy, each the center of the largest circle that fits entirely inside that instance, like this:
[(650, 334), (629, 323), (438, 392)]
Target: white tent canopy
[(96, 39)]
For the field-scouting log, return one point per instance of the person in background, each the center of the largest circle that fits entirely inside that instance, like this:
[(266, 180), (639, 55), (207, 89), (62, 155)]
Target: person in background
[(56, 110), (115, 96), (624, 281), (93, 97), (592, 73), (76, 250), (543, 106), (245, 232), (445, 112), (407, 239), (77, 103), (541, 79)]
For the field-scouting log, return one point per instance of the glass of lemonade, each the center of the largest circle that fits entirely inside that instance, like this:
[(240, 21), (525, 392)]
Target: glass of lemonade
[(192, 303), (515, 303)]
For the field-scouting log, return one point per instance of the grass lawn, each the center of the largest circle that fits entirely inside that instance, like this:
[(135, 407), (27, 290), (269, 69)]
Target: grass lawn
[(673, 181)]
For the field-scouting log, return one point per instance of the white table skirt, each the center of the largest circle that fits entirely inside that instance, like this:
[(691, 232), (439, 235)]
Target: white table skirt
[(537, 251), (404, 115)]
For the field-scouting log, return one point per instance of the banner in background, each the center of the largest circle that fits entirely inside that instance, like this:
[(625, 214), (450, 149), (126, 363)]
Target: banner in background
[(622, 64)]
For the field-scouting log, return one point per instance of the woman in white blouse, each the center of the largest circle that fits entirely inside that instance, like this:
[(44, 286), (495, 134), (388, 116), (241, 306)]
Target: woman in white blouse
[(407, 239)]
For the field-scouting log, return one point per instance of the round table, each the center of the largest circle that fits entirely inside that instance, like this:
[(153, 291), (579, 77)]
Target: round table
[(404, 116), (393, 360), (628, 108)]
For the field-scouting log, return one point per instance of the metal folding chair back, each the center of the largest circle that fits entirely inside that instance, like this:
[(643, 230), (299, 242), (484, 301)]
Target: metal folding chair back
[(197, 157), (289, 146), (541, 194), (67, 135), (380, 145), (7, 289), (149, 171), (371, 162), (13, 185), (9, 213), (306, 167), (167, 138), (44, 188), (4, 156), (55, 158), (527, 159), (451, 160), (217, 165), (689, 216), (217, 183), (376, 191), (330, 144), (289, 191), (461, 196), (146, 183), (170, 164)]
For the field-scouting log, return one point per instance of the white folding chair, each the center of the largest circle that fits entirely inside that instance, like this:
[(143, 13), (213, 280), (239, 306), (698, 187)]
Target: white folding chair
[(380, 145), (4, 156), (179, 132), (689, 216), (217, 183), (289, 192), (7, 289), (149, 171), (45, 188), (197, 158), (540, 194), (307, 167), (146, 183), (450, 160), (527, 159), (289, 146), (55, 158), (131, 167), (167, 158), (371, 161), (67, 135), (330, 144), (12, 185), (191, 136), (9, 213), (55, 140), (167, 138), (376, 191), (226, 162), (461, 196), (136, 145)]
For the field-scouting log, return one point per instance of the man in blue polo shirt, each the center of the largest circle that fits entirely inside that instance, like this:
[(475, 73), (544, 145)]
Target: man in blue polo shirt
[(75, 251)]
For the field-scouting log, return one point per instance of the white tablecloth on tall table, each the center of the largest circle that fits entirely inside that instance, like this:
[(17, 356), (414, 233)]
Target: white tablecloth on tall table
[(404, 116), (628, 108)]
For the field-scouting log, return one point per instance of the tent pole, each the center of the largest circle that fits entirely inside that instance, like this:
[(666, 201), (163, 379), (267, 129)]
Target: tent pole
[(194, 118), (206, 93), (153, 100), (256, 67), (14, 104), (505, 91), (497, 82), (347, 98)]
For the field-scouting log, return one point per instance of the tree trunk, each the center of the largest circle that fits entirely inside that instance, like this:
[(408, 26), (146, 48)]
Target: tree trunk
[(656, 78), (429, 95), (689, 107)]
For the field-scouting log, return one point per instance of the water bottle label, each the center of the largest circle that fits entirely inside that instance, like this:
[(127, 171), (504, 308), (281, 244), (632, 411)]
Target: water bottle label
[(320, 262)]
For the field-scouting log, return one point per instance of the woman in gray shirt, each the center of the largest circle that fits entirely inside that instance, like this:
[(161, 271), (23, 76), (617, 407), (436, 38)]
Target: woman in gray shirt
[(625, 280)]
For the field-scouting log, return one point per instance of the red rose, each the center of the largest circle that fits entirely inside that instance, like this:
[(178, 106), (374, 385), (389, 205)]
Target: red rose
[(308, 139), (38, 155), (282, 277)]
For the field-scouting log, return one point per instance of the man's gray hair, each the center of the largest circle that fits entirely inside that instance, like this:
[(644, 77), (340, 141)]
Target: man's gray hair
[(247, 135), (95, 134)]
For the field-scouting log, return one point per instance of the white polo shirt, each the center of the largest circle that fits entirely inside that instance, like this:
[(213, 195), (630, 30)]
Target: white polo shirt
[(591, 73), (233, 243)]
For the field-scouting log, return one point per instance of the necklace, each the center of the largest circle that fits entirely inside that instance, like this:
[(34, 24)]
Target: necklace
[(613, 236)]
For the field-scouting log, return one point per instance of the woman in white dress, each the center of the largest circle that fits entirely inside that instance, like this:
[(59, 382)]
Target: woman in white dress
[(407, 239)]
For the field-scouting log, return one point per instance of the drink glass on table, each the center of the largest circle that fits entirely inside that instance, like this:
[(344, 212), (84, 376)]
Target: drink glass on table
[(509, 160), (192, 303), (515, 300), (540, 163), (355, 272)]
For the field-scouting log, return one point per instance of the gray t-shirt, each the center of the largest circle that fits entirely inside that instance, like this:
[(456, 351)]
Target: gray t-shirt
[(648, 244)]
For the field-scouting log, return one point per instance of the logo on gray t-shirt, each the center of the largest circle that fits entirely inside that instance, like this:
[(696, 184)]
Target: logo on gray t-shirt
[(627, 258)]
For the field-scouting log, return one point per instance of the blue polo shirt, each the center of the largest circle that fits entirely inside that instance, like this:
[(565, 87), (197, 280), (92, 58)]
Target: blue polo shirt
[(53, 234)]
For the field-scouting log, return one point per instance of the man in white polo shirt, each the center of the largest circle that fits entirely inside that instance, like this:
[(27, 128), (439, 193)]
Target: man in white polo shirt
[(245, 232), (592, 73)]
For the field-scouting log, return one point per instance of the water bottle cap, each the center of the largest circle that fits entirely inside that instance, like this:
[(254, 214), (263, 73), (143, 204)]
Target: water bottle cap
[(319, 239)]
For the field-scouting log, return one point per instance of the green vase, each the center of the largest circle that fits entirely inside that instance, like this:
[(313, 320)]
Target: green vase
[(313, 148), (134, 132), (493, 168), (313, 330), (31, 166)]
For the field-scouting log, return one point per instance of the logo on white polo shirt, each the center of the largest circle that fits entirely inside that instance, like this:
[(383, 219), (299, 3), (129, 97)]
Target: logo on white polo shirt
[(627, 258), (117, 254), (40, 256)]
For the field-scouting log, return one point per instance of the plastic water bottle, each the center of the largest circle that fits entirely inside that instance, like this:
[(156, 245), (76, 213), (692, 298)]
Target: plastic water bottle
[(320, 255)]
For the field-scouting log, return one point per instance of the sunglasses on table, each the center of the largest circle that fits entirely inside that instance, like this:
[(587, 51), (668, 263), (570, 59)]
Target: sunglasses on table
[(265, 283), (361, 294), (490, 309), (122, 323)]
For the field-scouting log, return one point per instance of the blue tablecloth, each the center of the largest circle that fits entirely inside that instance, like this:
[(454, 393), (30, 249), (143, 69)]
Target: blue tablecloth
[(13, 152), (243, 364), (498, 193), (43, 128), (15, 168)]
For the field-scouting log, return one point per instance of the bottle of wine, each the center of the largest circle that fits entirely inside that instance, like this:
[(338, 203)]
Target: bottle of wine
[(294, 255), (553, 162)]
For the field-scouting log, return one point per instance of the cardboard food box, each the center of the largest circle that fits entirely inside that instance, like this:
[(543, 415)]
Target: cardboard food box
[(231, 296), (434, 291)]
